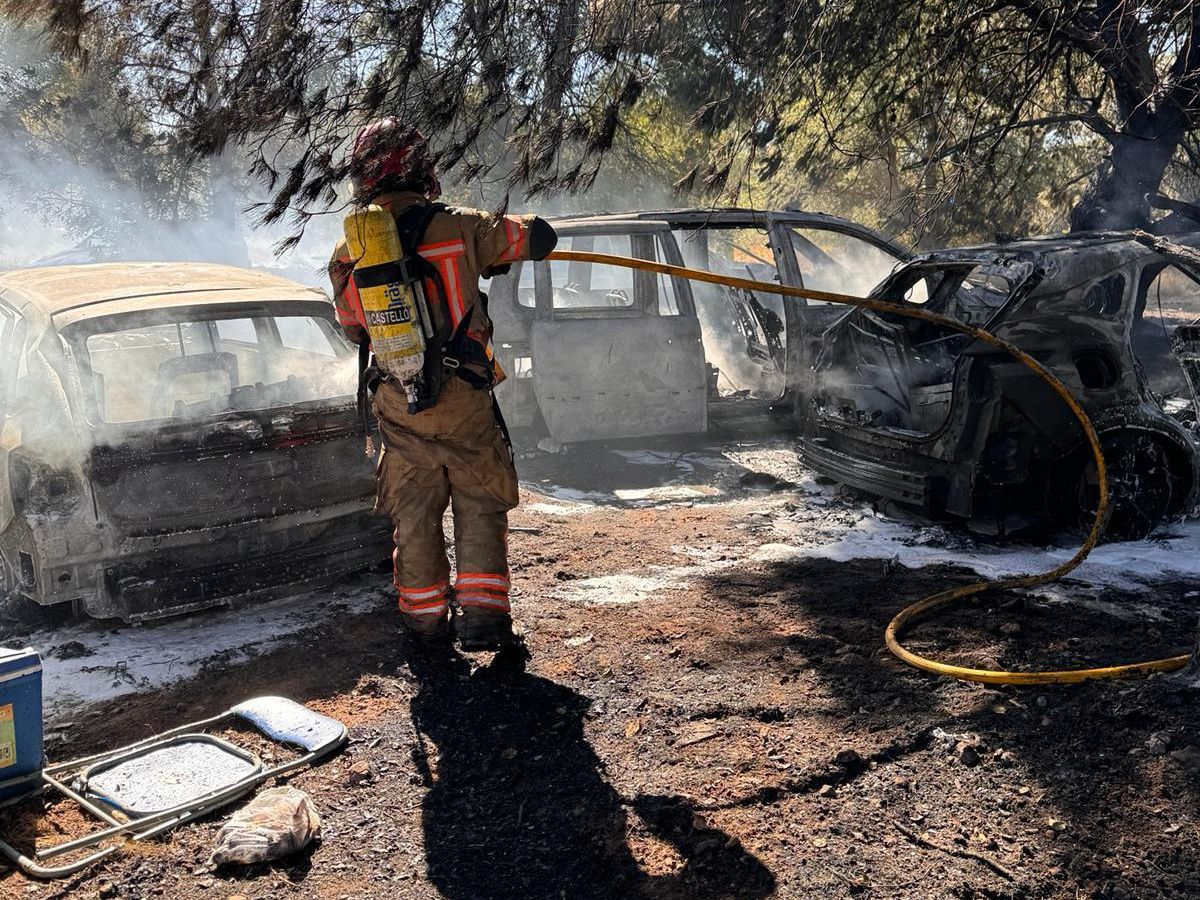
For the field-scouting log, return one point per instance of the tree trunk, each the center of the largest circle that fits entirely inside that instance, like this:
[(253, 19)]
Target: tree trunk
[(1116, 198)]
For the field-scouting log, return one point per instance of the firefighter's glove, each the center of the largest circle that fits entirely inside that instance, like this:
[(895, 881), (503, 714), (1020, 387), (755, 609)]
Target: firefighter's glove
[(542, 238)]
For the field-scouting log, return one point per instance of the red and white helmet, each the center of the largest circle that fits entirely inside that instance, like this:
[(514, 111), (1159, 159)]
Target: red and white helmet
[(387, 155)]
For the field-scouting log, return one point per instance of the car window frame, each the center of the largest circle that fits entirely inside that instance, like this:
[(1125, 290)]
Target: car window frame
[(76, 333), (651, 244), (1140, 287)]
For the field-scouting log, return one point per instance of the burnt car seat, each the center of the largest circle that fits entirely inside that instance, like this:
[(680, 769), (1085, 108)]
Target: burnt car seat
[(191, 379)]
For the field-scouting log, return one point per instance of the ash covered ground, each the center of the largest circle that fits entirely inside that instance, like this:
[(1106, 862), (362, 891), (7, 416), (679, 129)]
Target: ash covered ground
[(708, 712)]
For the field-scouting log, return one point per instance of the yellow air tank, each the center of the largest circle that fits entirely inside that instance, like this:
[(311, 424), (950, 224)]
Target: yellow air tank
[(392, 297)]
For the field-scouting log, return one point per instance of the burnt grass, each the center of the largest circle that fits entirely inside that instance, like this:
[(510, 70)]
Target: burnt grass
[(745, 735)]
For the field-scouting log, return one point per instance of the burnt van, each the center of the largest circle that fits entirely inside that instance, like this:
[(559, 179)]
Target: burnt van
[(176, 436)]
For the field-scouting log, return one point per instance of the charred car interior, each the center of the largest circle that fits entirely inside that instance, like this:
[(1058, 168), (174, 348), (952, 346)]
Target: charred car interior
[(176, 436)]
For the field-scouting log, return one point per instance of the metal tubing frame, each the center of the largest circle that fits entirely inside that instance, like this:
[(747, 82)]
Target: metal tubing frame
[(157, 823)]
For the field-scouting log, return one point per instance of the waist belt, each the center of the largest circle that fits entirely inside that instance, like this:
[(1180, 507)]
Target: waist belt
[(373, 376)]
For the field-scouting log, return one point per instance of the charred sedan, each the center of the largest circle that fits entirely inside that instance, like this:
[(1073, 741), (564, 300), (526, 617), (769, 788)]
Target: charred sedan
[(176, 436), (909, 411)]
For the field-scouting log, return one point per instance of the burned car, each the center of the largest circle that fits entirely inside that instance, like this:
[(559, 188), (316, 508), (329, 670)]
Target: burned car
[(596, 352), (176, 436), (913, 412)]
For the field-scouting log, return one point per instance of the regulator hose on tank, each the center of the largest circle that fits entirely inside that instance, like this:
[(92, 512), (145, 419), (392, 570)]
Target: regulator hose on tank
[(926, 605)]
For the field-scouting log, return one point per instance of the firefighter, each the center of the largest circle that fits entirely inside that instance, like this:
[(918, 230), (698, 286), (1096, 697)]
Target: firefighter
[(454, 451)]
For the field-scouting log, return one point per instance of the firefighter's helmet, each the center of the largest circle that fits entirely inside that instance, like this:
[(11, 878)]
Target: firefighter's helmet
[(389, 155)]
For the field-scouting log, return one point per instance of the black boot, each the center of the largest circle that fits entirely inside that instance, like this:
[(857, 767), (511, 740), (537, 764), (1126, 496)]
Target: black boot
[(484, 629), (435, 629)]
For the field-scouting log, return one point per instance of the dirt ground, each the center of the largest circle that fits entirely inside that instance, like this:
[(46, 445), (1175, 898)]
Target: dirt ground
[(699, 721)]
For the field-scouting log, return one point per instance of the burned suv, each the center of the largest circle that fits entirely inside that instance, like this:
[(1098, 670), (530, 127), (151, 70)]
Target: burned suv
[(910, 411), (176, 436)]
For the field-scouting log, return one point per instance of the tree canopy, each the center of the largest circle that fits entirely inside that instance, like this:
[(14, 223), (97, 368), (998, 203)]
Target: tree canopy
[(962, 91), (934, 119)]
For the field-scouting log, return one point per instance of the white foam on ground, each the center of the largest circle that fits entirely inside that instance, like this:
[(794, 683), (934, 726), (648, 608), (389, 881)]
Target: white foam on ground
[(565, 494), (678, 460), (630, 587), (619, 589), (134, 659), (682, 477), (778, 459), (1132, 565), (816, 521), (552, 508), (1139, 566), (811, 521), (668, 493)]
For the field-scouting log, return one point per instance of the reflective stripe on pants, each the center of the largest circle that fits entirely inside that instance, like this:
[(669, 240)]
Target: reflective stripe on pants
[(484, 591), (424, 601)]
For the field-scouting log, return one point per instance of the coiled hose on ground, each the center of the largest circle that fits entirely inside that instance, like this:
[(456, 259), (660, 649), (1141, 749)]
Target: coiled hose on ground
[(926, 605)]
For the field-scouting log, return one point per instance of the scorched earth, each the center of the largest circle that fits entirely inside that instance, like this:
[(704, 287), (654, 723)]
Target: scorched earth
[(708, 710)]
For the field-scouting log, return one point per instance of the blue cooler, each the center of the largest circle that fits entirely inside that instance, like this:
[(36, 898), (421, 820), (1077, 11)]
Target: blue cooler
[(21, 757)]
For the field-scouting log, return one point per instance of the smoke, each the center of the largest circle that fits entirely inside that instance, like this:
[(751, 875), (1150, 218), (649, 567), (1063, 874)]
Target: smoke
[(725, 345), (840, 263), (68, 201), (86, 176), (63, 212), (42, 407)]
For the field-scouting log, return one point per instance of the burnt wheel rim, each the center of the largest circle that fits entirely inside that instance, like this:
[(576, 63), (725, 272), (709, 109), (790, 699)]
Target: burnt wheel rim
[(1141, 485)]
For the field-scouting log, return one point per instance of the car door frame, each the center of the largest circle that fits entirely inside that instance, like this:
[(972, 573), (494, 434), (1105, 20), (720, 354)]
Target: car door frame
[(642, 308), (778, 225), (799, 376)]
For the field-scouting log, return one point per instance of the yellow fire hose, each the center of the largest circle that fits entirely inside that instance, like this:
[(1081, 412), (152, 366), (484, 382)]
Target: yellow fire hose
[(923, 607)]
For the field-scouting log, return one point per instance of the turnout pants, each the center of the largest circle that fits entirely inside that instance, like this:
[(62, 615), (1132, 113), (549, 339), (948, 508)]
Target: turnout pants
[(453, 455)]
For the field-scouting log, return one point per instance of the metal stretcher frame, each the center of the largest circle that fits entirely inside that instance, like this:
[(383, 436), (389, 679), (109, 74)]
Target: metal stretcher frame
[(55, 778)]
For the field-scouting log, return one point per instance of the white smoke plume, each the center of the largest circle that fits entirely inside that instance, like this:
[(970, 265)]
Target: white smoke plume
[(42, 202)]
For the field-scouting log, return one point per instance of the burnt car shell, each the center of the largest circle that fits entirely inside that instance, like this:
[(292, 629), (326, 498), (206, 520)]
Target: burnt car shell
[(944, 423), (176, 436), (596, 353)]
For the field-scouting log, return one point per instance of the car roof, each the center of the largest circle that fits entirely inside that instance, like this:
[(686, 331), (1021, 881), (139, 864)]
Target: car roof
[(722, 217), (701, 216), (1062, 243), (607, 224), (103, 289), (1065, 259)]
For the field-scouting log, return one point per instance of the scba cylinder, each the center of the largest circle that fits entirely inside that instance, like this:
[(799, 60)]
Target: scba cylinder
[(393, 300)]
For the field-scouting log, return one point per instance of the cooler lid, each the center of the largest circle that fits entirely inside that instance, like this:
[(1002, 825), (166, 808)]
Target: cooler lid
[(15, 660)]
